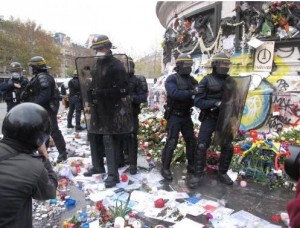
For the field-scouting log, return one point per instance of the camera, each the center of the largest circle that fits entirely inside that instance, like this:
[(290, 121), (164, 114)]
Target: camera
[(37, 155), (291, 164)]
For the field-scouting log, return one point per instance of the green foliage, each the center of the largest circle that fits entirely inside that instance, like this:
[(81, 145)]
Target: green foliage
[(149, 66), (120, 210), (21, 41), (70, 71)]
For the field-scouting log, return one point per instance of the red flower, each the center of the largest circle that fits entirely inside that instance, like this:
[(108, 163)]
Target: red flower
[(132, 215), (124, 177), (159, 203), (275, 218), (105, 219), (99, 205)]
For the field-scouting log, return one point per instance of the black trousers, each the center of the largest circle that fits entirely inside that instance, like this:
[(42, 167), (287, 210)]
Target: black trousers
[(74, 105), (56, 133), (97, 150), (129, 143), (207, 128), (175, 125)]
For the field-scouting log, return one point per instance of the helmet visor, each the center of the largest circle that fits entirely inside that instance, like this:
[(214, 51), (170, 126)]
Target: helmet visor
[(15, 75), (223, 64), (187, 64)]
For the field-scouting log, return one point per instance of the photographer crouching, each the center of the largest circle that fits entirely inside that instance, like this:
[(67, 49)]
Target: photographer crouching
[(26, 128)]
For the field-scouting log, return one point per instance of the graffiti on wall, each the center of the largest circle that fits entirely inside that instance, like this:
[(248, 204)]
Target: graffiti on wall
[(275, 103)]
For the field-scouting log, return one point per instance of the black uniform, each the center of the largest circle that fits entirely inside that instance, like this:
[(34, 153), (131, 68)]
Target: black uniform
[(75, 102), (12, 95), (178, 114), (108, 82), (138, 92), (211, 90), (42, 90)]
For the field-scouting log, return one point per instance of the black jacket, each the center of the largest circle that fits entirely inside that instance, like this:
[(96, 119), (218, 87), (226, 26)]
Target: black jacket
[(74, 88), (22, 178), (138, 91), (8, 88), (179, 92), (42, 90)]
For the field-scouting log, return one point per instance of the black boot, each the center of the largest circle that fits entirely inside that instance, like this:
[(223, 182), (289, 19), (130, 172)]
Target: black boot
[(224, 163), (111, 181), (200, 163), (79, 128), (225, 179), (70, 126), (190, 155), (93, 170), (112, 148), (62, 157), (167, 154), (133, 169)]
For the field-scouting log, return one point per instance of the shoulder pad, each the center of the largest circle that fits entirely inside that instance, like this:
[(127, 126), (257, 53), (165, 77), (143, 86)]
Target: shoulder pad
[(43, 80)]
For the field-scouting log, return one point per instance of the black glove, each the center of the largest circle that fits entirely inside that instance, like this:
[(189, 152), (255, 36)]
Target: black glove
[(196, 90)]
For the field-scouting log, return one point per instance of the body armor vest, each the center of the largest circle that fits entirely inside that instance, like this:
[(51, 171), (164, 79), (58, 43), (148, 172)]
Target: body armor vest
[(14, 95), (183, 83), (214, 87)]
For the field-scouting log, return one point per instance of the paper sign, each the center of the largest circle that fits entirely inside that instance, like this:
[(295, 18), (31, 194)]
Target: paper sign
[(264, 57)]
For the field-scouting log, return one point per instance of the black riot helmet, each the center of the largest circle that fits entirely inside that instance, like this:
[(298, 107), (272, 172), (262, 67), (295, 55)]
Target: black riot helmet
[(28, 123), (184, 63), (220, 63), (38, 64), (131, 66), (101, 41), (15, 69)]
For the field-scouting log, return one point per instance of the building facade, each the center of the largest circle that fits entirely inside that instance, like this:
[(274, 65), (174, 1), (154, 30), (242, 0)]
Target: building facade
[(262, 40), (69, 52)]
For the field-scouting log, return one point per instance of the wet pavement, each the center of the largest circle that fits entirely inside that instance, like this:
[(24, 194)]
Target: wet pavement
[(255, 198)]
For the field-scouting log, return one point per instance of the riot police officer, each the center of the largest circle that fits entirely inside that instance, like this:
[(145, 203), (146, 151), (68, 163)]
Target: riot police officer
[(13, 88), (107, 103), (138, 92), (75, 103), (209, 100), (180, 88), (43, 90)]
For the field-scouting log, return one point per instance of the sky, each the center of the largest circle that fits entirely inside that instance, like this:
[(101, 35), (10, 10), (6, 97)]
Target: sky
[(131, 25)]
